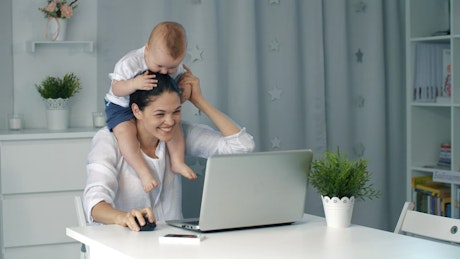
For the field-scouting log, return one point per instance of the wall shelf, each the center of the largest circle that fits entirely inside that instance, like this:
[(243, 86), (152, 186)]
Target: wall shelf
[(86, 46)]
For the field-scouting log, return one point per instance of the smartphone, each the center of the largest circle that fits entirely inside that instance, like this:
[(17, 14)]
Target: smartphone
[(181, 239)]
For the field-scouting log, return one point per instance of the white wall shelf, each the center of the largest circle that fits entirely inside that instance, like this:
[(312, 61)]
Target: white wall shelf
[(86, 46)]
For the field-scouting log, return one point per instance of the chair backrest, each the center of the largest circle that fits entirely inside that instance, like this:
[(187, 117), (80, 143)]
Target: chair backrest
[(84, 252), (427, 225), (80, 212)]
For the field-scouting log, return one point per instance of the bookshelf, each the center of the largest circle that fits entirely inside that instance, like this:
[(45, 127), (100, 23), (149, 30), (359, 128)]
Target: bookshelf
[(433, 95)]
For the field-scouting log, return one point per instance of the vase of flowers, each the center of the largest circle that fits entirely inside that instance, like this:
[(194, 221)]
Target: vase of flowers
[(57, 12), (56, 92)]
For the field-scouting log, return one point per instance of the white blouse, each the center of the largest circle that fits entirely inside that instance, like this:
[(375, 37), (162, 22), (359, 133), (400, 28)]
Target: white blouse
[(111, 179)]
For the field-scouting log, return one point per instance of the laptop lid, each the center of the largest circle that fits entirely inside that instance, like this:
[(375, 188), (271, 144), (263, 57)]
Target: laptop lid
[(253, 189)]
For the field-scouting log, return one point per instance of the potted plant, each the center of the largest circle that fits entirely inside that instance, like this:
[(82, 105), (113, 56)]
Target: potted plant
[(56, 92), (340, 181)]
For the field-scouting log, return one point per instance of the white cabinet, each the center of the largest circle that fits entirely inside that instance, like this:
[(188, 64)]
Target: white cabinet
[(433, 103), (40, 174)]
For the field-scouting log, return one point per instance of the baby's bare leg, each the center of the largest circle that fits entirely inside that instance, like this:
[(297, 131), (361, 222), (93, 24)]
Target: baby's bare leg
[(176, 148), (129, 147)]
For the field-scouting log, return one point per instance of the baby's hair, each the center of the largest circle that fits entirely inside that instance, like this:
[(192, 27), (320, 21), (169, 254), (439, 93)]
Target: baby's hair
[(173, 35), (143, 97)]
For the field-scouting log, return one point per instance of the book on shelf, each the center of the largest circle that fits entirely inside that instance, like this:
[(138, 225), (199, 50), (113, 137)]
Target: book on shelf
[(431, 197), (431, 77)]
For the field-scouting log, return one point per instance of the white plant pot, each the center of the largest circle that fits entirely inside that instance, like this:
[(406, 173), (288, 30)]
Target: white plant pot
[(57, 113), (338, 212)]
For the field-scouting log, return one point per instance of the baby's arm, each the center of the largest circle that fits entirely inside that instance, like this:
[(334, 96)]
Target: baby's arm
[(140, 82)]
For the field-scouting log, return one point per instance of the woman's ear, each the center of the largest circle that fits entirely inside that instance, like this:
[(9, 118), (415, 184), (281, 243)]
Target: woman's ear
[(136, 111)]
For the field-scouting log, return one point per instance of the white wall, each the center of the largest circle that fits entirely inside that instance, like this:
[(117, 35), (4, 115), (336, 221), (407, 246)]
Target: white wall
[(28, 24), (6, 63)]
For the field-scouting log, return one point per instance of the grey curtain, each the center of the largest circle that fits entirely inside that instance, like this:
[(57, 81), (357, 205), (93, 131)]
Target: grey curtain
[(297, 74)]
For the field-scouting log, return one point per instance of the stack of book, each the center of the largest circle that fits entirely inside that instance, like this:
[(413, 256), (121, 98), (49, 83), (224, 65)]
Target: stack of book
[(431, 197), (445, 156)]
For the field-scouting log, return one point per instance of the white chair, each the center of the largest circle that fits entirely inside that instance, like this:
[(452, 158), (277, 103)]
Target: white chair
[(428, 226), (84, 253)]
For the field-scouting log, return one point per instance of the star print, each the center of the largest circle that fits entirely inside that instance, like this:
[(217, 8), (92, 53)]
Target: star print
[(360, 7), (196, 54), (359, 149), (275, 93), (276, 142), (274, 45), (359, 56), (359, 101), (272, 2)]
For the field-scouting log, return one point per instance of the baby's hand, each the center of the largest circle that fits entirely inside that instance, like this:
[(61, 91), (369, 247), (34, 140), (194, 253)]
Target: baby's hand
[(145, 81)]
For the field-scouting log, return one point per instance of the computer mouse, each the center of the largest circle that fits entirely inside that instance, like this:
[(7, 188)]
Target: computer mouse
[(148, 225)]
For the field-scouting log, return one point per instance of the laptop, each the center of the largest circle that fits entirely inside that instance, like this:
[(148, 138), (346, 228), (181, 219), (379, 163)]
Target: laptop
[(252, 190)]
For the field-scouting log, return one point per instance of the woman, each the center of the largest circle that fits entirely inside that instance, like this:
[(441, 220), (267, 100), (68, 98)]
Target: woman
[(114, 193)]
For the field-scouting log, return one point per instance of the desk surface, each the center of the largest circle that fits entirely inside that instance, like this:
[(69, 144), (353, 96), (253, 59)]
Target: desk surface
[(308, 238)]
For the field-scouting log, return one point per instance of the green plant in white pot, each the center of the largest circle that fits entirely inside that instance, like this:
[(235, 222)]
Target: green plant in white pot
[(56, 92), (340, 181)]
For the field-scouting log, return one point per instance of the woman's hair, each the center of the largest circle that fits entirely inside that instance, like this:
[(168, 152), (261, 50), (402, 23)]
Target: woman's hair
[(143, 97)]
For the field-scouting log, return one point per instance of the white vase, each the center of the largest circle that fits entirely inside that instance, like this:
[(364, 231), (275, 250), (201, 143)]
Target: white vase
[(338, 212), (56, 29), (57, 113)]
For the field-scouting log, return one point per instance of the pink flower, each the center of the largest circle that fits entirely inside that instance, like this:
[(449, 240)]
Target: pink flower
[(66, 11), (51, 7)]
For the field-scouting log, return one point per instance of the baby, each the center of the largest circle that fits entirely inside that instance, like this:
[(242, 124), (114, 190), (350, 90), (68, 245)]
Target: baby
[(163, 53)]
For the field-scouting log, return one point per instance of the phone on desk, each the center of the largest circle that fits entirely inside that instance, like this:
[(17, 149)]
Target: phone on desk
[(181, 239)]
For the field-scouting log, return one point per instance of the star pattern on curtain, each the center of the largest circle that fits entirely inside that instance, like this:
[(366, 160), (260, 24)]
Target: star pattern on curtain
[(276, 142), (359, 56), (274, 45), (275, 93), (359, 101), (360, 7), (274, 2), (196, 54), (359, 149)]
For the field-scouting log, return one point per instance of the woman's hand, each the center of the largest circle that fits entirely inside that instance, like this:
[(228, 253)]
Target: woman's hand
[(104, 213), (193, 84), (184, 84), (128, 219)]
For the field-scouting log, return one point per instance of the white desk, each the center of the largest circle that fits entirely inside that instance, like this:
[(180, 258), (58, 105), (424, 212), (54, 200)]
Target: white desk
[(309, 238)]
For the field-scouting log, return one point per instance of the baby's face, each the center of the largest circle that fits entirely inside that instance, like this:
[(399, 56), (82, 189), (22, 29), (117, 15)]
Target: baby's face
[(159, 60)]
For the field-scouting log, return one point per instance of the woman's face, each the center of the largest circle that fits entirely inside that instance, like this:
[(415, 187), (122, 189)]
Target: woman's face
[(160, 117)]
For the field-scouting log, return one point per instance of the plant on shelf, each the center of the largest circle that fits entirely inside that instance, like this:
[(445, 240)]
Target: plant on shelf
[(340, 181), (55, 87), (56, 93), (59, 9)]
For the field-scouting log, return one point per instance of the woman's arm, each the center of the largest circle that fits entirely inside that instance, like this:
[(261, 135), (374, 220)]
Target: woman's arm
[(102, 185), (226, 126), (106, 214), (202, 140)]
